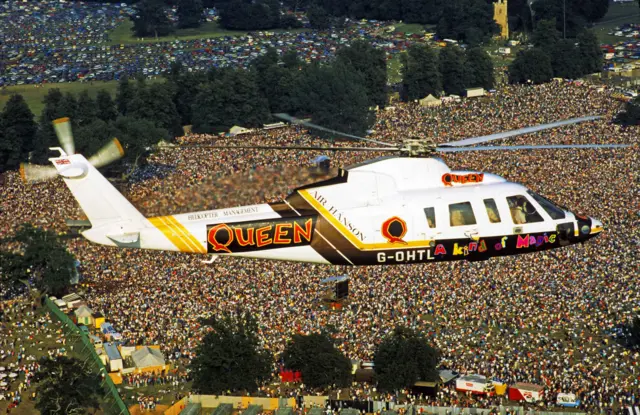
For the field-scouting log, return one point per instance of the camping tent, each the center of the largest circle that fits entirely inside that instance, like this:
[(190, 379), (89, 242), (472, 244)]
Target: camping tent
[(83, 315), (430, 101), (237, 130), (146, 357)]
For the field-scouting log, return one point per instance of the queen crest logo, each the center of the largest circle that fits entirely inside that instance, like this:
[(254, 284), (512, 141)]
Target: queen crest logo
[(394, 229)]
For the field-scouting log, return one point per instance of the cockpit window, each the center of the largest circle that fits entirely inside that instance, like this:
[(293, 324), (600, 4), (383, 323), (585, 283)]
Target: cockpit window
[(554, 211), (522, 211), (461, 214), (430, 213), (492, 210)]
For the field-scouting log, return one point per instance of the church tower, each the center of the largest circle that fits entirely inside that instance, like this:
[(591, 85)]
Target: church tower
[(500, 16)]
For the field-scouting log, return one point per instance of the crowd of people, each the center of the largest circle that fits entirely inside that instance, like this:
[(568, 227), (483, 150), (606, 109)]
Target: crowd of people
[(46, 41), (26, 335), (550, 318)]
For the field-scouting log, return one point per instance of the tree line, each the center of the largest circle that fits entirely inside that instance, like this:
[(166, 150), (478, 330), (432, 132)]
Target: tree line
[(552, 56), (340, 95), (231, 358), (468, 21)]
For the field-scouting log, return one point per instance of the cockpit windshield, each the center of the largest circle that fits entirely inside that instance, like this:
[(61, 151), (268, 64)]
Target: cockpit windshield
[(554, 211)]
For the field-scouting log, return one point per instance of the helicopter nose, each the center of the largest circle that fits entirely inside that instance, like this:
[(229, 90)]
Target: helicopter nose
[(596, 226)]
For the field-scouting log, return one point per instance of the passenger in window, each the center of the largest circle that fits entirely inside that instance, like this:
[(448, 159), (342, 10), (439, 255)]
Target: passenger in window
[(431, 222), (517, 211), (457, 219)]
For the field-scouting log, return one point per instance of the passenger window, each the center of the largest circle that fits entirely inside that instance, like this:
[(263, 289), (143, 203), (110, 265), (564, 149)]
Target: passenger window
[(492, 210), (522, 211), (430, 213), (461, 214), (554, 211)]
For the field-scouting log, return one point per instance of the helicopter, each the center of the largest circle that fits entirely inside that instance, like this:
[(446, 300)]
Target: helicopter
[(404, 208)]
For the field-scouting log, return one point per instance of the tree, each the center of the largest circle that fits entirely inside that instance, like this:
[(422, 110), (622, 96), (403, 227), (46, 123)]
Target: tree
[(631, 113), (565, 60), (479, 69), (155, 103), (420, 74), (89, 138), (248, 15), (452, 69), (372, 64), (87, 111), (318, 360), (318, 17), (574, 15), (545, 35), (634, 332), (18, 133), (126, 93), (403, 358), (290, 21), (336, 97), (532, 65), (589, 52), (275, 83), (190, 13), (231, 99), (138, 136), (470, 21), (186, 86), (41, 258), (151, 19), (66, 386), (106, 107), (230, 357)]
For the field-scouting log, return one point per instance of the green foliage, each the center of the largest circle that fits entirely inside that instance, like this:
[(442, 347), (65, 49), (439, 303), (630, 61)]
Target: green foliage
[(318, 360), (276, 83), (578, 13), (452, 68), (231, 99), (41, 258), (138, 136), (190, 13), (533, 65), (106, 107), (479, 71), (87, 110), (124, 96), (151, 19), (634, 331), (186, 86), (17, 133), (319, 18), (470, 21), (363, 58), (336, 97), (565, 60), (243, 15), (546, 35), (631, 113), (420, 73), (155, 103), (66, 385), (589, 52), (403, 358), (289, 21), (230, 357)]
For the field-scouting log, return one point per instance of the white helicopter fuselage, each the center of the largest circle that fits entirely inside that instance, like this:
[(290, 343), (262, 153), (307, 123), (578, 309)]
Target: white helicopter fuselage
[(393, 210)]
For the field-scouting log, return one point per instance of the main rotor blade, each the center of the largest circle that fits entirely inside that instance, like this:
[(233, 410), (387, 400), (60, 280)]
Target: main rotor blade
[(512, 133), (538, 147), (63, 131), (169, 147), (111, 152), (291, 119)]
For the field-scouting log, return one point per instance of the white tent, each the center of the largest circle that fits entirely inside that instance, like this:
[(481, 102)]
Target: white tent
[(237, 130), (430, 101), (147, 357)]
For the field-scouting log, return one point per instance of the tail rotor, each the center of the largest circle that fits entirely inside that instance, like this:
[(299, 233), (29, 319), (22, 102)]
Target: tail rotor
[(109, 153)]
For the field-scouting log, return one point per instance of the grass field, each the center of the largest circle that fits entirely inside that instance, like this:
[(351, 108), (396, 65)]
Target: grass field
[(123, 35), (618, 14), (34, 96)]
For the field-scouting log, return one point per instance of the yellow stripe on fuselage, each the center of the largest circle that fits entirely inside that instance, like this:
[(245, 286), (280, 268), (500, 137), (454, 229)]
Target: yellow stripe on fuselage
[(177, 234), (192, 239), (351, 237)]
